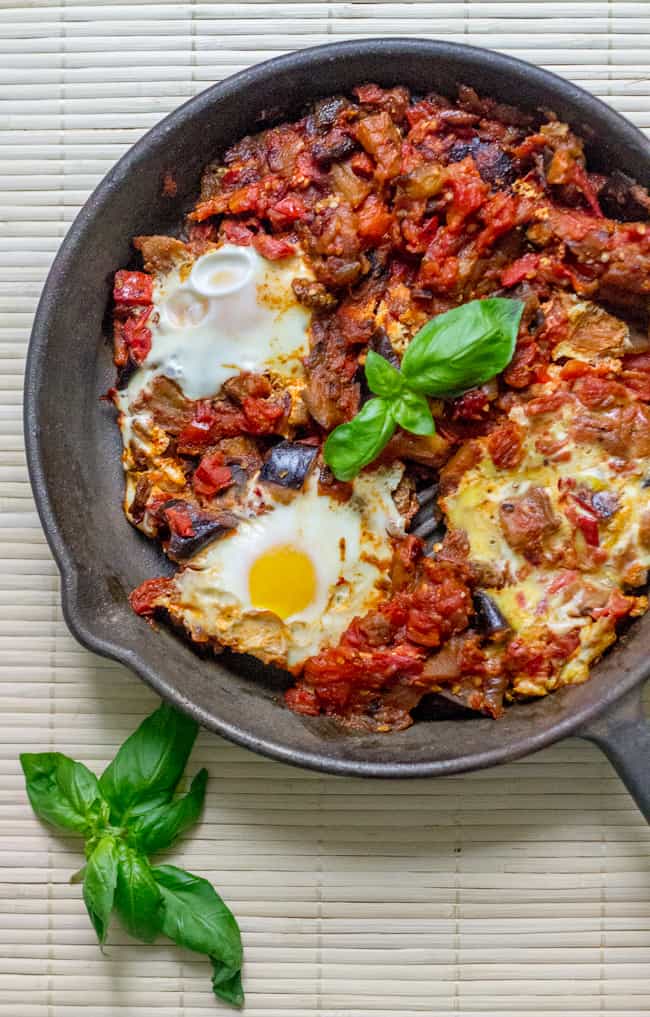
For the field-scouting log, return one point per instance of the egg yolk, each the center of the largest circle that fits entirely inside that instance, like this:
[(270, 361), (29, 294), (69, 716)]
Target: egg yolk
[(282, 580)]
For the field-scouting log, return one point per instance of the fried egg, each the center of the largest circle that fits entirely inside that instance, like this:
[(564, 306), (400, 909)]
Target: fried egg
[(289, 581), (229, 311)]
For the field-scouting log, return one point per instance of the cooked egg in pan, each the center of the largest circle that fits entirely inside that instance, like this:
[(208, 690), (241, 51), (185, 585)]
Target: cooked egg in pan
[(229, 311), (289, 581)]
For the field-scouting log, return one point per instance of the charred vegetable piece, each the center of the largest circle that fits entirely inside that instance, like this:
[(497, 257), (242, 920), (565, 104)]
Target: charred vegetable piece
[(288, 464), (327, 110), (426, 520), (622, 198), (191, 530), (491, 621), (493, 164)]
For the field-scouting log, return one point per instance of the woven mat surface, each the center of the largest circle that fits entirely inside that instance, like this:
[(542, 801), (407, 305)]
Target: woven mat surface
[(522, 890)]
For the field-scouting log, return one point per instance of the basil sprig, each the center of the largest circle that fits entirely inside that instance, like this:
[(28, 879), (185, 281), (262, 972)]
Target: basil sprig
[(129, 813), (452, 353)]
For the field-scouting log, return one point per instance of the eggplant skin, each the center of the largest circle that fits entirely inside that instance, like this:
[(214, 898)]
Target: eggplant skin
[(288, 464), (206, 528), (491, 621)]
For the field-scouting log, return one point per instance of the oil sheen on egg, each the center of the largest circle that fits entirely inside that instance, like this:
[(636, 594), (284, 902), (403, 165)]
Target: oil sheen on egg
[(230, 311), (290, 581)]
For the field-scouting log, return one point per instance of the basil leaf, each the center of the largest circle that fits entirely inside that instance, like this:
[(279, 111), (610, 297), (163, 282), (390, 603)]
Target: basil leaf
[(154, 801), (63, 791), (137, 897), (352, 446), (412, 412), (151, 761), (196, 917), (100, 878), (463, 347), (383, 379), (158, 829), (226, 983)]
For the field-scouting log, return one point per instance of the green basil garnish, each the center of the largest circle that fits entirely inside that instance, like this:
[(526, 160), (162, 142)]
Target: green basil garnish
[(100, 880), (138, 900), (412, 412), (352, 446), (62, 791), (159, 827), (129, 813), (149, 765), (452, 353), (463, 348), (196, 917)]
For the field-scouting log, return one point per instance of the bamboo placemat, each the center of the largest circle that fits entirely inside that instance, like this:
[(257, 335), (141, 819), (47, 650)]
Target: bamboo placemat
[(523, 890)]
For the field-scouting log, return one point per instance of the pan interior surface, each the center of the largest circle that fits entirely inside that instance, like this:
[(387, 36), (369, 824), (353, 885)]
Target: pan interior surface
[(74, 445)]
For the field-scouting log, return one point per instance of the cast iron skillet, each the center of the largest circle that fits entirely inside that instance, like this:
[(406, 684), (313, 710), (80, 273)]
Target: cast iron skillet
[(73, 444)]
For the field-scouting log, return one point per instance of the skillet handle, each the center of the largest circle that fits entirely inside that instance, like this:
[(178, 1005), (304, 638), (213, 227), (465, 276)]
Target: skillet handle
[(623, 734)]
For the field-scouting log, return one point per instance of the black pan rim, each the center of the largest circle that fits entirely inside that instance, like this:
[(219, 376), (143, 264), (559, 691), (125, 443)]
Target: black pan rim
[(390, 48)]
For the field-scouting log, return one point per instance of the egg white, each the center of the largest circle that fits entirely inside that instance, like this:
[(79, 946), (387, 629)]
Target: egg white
[(350, 549), (229, 311)]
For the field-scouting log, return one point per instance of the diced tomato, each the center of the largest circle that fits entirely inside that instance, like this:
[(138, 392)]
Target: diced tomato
[(505, 445), (500, 215), (599, 393), (584, 520), (247, 199), (206, 209), (636, 374), (179, 520), (637, 362), (421, 110), (524, 268), (236, 232), (418, 236), (368, 667), (198, 433), (574, 369), (439, 267), (370, 94), (302, 700), (307, 171), (132, 288), (287, 210), (147, 597), (439, 606), (137, 336), (533, 143), (202, 233), (374, 219), (546, 403), (273, 248), (469, 189), (362, 164), (211, 476), (473, 405), (262, 415), (540, 657), (618, 606)]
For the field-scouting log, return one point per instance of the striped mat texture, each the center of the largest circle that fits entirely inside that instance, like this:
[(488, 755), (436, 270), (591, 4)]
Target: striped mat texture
[(523, 890)]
